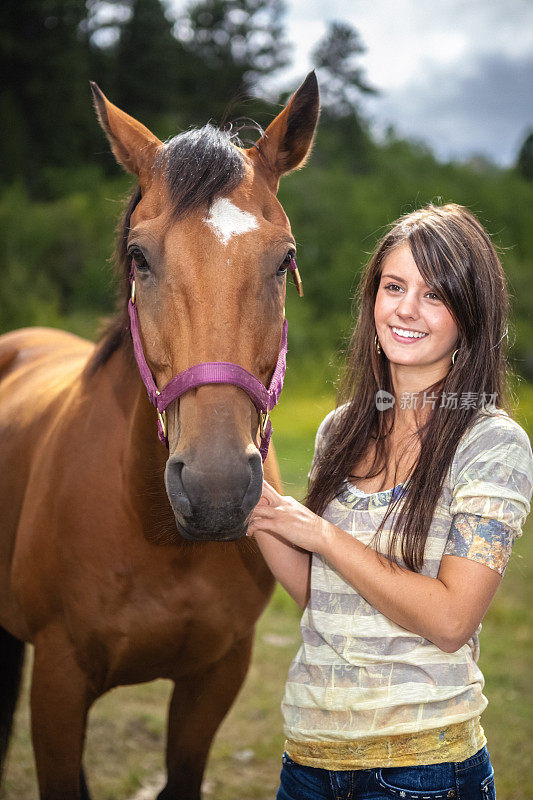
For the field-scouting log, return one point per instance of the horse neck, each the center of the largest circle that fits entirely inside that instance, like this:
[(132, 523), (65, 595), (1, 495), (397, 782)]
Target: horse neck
[(142, 454)]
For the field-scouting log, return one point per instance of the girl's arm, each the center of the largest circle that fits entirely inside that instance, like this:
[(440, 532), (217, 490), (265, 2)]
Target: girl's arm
[(289, 564), (445, 610)]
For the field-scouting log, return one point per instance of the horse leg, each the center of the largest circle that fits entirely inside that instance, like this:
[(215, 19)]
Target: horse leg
[(84, 789), (60, 701), (197, 708), (12, 651)]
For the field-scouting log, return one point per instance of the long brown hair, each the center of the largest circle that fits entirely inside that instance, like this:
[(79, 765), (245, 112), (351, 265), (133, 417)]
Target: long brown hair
[(456, 258)]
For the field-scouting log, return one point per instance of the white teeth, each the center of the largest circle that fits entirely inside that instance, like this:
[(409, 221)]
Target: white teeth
[(408, 334)]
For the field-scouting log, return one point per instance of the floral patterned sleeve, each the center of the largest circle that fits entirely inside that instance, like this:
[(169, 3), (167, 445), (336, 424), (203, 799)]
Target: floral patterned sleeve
[(481, 539), (492, 493)]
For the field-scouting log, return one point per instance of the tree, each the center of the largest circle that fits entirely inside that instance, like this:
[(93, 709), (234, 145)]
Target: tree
[(44, 108), (342, 81), (235, 43), (344, 136), (525, 158), (169, 73), (147, 63)]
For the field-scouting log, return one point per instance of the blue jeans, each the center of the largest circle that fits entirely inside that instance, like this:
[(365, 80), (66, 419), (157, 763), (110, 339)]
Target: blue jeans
[(472, 779)]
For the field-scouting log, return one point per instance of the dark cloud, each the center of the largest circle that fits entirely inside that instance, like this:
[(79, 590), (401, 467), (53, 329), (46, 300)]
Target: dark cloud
[(484, 106)]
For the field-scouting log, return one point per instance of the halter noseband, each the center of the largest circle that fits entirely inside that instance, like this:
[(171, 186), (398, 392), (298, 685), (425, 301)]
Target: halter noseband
[(212, 372)]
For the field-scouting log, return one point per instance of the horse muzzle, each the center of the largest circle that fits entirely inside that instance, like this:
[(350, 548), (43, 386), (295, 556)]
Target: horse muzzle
[(214, 505)]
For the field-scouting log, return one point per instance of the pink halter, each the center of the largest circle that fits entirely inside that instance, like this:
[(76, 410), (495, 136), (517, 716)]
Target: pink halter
[(212, 372)]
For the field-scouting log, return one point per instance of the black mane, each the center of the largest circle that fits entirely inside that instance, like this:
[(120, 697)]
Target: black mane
[(197, 165)]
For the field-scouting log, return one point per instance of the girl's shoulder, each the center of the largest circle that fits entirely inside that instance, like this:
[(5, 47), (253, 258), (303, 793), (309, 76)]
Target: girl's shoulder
[(331, 418), (494, 436), (496, 423)]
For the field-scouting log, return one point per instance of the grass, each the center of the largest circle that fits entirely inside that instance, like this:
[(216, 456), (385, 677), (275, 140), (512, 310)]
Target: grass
[(126, 733)]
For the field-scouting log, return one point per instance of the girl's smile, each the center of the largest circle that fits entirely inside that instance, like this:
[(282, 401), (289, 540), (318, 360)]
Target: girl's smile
[(407, 336)]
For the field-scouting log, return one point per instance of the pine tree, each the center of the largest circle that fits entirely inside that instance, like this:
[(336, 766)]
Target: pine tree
[(147, 62), (235, 43), (44, 109), (344, 136), (342, 81)]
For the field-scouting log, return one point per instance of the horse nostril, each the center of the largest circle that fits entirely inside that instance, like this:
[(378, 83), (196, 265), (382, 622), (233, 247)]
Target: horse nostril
[(255, 487), (175, 489), (214, 498)]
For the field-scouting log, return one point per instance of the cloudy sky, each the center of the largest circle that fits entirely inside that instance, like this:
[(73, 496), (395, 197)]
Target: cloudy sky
[(457, 74)]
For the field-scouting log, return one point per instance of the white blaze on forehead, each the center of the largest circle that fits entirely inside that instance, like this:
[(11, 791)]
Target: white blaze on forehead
[(227, 220)]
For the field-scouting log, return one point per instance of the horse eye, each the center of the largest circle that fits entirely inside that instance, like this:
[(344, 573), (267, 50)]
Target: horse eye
[(285, 263), (140, 261)]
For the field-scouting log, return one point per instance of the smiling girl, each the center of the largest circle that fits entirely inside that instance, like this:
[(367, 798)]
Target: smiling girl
[(420, 483)]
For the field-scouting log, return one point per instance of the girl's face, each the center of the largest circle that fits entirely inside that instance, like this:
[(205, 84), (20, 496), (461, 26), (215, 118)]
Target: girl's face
[(414, 326)]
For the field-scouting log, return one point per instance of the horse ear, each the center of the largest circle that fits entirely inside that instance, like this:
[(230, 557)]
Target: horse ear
[(287, 141), (133, 145)]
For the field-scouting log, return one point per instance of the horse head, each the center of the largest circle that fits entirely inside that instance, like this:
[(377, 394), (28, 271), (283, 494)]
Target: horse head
[(209, 245)]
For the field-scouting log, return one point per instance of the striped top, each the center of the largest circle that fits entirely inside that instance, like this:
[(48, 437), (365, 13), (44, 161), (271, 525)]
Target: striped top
[(359, 679)]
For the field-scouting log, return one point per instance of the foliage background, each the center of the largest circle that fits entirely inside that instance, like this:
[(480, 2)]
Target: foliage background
[(61, 193)]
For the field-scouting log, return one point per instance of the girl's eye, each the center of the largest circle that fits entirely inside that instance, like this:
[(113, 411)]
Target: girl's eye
[(393, 287), (284, 266), (138, 257)]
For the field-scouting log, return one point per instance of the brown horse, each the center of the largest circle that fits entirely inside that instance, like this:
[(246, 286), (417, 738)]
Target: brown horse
[(94, 571)]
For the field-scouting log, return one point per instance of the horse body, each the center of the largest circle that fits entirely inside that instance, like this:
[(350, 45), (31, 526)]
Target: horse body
[(56, 514), (82, 579), (93, 570), (38, 369)]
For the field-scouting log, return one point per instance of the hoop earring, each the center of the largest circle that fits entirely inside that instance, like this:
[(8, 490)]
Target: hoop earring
[(377, 344), (453, 356)]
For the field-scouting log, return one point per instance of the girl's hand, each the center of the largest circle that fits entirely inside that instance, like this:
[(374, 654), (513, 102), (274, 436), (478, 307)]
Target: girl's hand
[(287, 519)]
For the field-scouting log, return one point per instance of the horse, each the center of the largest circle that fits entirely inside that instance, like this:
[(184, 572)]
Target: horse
[(122, 561)]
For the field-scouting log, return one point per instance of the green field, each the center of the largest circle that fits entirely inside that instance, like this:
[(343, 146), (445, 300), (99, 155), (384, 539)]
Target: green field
[(126, 736)]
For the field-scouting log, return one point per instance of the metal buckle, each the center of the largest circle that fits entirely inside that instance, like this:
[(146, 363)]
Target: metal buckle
[(162, 417), (133, 292), (297, 282), (263, 420)]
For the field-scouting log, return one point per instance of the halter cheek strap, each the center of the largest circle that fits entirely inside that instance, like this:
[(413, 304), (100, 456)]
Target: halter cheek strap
[(212, 372)]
